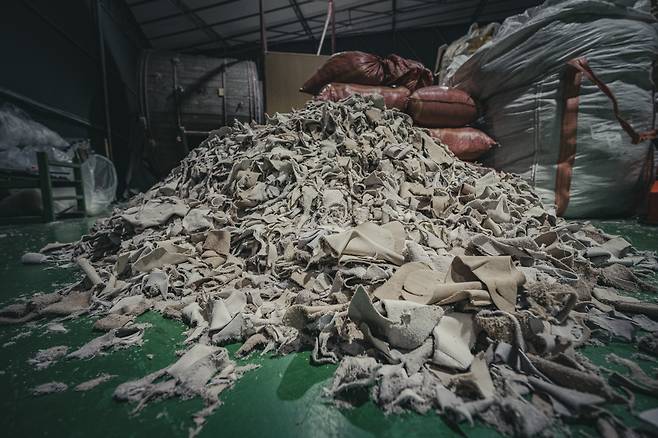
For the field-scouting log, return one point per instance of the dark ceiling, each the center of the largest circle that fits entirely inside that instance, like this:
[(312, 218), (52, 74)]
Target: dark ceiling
[(210, 25)]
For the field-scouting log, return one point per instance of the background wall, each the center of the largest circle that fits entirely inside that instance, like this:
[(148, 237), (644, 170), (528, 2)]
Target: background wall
[(52, 56)]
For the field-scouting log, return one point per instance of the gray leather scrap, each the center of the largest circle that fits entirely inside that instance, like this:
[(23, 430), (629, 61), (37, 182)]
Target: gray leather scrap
[(341, 229)]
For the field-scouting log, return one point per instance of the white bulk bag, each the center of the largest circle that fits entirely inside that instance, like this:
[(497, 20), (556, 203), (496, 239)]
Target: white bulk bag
[(520, 79)]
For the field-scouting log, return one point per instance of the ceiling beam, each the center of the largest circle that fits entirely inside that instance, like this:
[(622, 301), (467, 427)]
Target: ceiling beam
[(269, 26), (278, 25), (365, 11), (140, 3), (312, 23), (342, 24), (302, 19), (449, 13), (400, 13), (403, 16), (456, 9), (428, 2), (453, 20), (219, 23), (181, 14), (297, 33), (194, 18)]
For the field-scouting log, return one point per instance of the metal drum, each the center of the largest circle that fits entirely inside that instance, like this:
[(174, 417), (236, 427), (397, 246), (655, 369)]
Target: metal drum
[(184, 97)]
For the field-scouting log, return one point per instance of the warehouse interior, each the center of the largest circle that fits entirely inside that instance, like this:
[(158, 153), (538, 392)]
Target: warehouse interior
[(329, 218)]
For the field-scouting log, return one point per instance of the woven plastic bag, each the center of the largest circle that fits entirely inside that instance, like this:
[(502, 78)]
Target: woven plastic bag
[(467, 144), (406, 73), (394, 97), (520, 78), (348, 67), (441, 107)]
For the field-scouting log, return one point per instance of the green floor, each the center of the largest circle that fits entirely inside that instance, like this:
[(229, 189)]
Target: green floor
[(283, 398)]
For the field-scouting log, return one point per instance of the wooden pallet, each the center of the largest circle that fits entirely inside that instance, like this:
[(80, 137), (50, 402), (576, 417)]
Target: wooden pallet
[(44, 181)]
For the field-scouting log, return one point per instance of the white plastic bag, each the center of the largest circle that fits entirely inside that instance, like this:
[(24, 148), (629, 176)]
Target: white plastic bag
[(99, 178), (17, 129)]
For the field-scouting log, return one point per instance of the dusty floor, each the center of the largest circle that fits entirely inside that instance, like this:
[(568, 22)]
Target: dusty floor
[(283, 397)]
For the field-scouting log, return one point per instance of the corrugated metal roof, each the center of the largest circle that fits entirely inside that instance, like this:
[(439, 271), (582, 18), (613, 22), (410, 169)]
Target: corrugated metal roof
[(197, 25)]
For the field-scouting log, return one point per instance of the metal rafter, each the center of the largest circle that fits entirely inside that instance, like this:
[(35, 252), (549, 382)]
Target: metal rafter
[(296, 33), (278, 25), (418, 11), (365, 11), (343, 24), (301, 18), (181, 14), (272, 26), (429, 2), (140, 3), (403, 16), (384, 16), (194, 18), (230, 20), (263, 28), (450, 21)]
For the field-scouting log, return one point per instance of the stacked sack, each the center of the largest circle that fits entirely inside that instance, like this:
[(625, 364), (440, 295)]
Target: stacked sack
[(407, 86), (446, 112), (349, 73)]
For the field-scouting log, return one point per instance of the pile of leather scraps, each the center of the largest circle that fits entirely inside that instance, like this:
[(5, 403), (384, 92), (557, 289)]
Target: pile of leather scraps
[(434, 284)]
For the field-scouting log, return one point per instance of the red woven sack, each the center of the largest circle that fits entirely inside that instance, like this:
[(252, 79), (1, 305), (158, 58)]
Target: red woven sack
[(467, 144), (347, 67), (407, 73), (441, 107), (394, 97)]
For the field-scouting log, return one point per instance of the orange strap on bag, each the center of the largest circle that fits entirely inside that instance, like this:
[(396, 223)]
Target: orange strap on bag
[(576, 68)]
